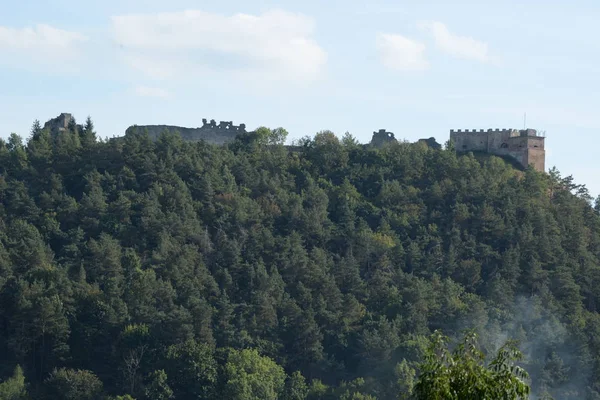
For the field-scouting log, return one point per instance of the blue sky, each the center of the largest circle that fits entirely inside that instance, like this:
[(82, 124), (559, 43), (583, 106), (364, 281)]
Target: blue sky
[(417, 69)]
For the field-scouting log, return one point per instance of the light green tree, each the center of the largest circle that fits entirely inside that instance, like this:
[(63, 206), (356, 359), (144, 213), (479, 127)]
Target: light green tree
[(250, 376), (463, 374), (296, 387), (14, 387), (192, 370), (405, 379), (354, 390), (158, 388), (271, 136)]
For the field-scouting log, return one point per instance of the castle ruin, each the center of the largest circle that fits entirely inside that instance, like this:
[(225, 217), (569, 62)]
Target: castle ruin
[(62, 123), (210, 131), (523, 146), (382, 137)]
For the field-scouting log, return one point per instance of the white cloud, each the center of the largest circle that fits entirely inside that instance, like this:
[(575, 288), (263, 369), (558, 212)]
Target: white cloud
[(146, 91), (42, 38), (276, 44), (457, 46), (401, 53)]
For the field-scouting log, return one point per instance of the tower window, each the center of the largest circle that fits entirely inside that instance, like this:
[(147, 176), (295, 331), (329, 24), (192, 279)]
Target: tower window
[(504, 146)]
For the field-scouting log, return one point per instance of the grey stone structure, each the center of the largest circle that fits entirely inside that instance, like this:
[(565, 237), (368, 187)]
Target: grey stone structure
[(431, 142), (210, 131), (61, 123), (382, 137), (523, 146)]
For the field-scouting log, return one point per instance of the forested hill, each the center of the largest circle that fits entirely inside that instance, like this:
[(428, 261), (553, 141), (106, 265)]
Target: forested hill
[(183, 270)]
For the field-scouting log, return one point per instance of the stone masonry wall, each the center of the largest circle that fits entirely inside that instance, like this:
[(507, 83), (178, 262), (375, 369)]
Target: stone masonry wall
[(62, 123), (210, 132), (470, 140), (59, 124), (537, 158), (381, 138), (524, 146)]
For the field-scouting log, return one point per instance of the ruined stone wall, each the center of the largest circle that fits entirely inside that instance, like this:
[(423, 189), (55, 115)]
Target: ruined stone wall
[(63, 123), (382, 137), (431, 142), (210, 132), (59, 123)]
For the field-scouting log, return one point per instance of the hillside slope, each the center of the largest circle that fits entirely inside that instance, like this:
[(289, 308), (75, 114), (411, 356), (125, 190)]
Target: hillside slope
[(152, 264)]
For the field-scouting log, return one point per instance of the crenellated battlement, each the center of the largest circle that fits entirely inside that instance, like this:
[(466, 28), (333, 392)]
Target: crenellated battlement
[(525, 145), (223, 125), (477, 131)]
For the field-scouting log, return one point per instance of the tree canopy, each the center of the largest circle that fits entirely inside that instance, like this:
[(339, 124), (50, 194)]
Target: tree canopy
[(132, 268), (463, 375)]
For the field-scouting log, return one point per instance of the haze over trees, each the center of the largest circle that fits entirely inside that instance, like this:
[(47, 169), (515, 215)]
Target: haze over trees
[(159, 270)]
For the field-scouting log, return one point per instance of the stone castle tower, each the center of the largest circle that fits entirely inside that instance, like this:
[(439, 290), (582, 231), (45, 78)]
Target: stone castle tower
[(524, 146), (60, 123)]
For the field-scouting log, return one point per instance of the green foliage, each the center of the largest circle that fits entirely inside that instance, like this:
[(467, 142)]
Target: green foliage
[(158, 388), (192, 370), (224, 266), (463, 374), (405, 380), (354, 391), (70, 384), (295, 387), (317, 390), (14, 388), (135, 335), (250, 376), (268, 136)]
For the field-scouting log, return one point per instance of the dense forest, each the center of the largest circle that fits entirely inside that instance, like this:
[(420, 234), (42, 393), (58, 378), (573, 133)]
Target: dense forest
[(133, 269)]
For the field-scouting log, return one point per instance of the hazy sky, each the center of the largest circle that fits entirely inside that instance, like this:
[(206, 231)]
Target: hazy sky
[(416, 68)]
